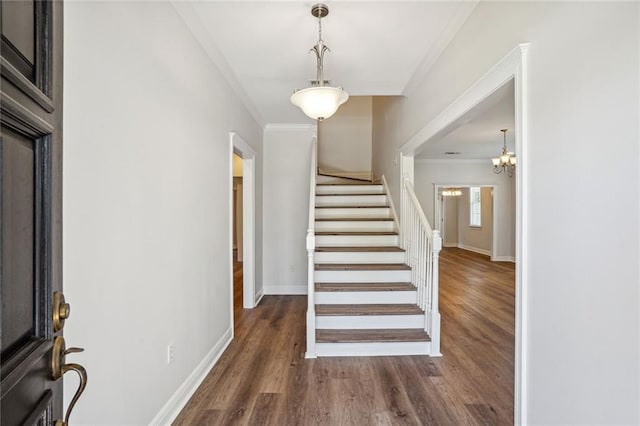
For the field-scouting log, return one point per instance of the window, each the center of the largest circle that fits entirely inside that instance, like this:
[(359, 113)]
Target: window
[(475, 207)]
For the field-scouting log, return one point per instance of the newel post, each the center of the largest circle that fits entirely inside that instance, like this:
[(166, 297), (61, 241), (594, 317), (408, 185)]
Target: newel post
[(311, 304), (435, 311)]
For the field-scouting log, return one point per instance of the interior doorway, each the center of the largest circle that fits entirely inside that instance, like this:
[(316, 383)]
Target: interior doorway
[(237, 236), (242, 221), (512, 68), (466, 217)]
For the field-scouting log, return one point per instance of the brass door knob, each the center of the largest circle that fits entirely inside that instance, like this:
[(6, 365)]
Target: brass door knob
[(59, 368), (61, 311)]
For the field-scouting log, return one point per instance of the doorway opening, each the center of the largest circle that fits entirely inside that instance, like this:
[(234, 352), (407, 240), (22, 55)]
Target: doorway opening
[(242, 159), (512, 69), (237, 237), (493, 236)]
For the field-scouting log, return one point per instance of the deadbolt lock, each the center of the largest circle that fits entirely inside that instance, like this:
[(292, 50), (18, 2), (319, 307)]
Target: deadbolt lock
[(61, 311)]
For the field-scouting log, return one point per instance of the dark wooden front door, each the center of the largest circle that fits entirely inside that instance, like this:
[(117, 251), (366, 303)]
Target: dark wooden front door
[(31, 209)]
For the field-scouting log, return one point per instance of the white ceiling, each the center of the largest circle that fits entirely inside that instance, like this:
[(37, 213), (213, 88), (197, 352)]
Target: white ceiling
[(377, 48), (476, 135)]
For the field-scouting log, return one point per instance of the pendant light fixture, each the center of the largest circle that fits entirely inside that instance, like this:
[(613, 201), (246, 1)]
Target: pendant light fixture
[(506, 162), (319, 101)]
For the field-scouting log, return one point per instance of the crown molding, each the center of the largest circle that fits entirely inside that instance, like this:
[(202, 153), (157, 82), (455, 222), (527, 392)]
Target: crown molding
[(198, 30)]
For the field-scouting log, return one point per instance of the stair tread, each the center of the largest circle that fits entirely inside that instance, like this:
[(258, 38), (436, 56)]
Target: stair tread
[(362, 194), (369, 309), (356, 233), (347, 183), (362, 267), (350, 206), (397, 286), (372, 335), (354, 219), (360, 249)]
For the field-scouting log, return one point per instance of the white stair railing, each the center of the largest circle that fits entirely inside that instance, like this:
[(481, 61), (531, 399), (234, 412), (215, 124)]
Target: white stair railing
[(311, 247), (422, 247)]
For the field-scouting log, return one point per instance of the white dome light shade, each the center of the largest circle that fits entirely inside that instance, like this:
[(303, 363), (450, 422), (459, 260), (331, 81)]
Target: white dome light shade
[(319, 102)]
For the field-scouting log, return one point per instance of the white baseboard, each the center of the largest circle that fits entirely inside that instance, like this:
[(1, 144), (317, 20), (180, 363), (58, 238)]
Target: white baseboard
[(475, 249), (179, 399), (285, 290), (503, 259), (449, 244), (259, 296)]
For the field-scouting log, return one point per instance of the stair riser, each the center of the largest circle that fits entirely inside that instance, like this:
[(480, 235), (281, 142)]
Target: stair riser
[(369, 321), (351, 200), (364, 226), (335, 179), (356, 240), (340, 212), (349, 189), (362, 276), (359, 257), (360, 226), (373, 349), (364, 297)]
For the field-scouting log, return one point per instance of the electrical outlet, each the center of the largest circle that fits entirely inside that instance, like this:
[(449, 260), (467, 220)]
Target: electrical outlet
[(170, 353)]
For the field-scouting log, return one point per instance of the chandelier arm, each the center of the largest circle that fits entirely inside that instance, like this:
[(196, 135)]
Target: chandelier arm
[(319, 49)]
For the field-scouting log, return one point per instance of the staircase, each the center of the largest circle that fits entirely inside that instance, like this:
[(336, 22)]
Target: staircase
[(364, 301)]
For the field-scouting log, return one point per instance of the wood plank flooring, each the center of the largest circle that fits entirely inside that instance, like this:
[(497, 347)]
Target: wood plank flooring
[(364, 287), (369, 336), (357, 249), (362, 267), (356, 233), (373, 309), (263, 378), (354, 219)]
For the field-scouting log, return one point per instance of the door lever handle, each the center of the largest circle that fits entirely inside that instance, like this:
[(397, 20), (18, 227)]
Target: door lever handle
[(59, 368)]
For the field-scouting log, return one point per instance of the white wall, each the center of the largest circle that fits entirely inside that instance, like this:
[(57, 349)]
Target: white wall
[(428, 173), (583, 277), (344, 140), (146, 182), (287, 155)]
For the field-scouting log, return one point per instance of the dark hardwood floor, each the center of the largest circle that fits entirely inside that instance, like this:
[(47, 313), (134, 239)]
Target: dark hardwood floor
[(263, 378)]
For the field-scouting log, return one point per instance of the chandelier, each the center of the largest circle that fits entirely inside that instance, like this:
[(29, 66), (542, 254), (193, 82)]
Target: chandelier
[(506, 162), (319, 101), (451, 192)]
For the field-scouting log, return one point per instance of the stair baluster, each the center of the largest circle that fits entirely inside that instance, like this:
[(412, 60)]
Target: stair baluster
[(422, 245)]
